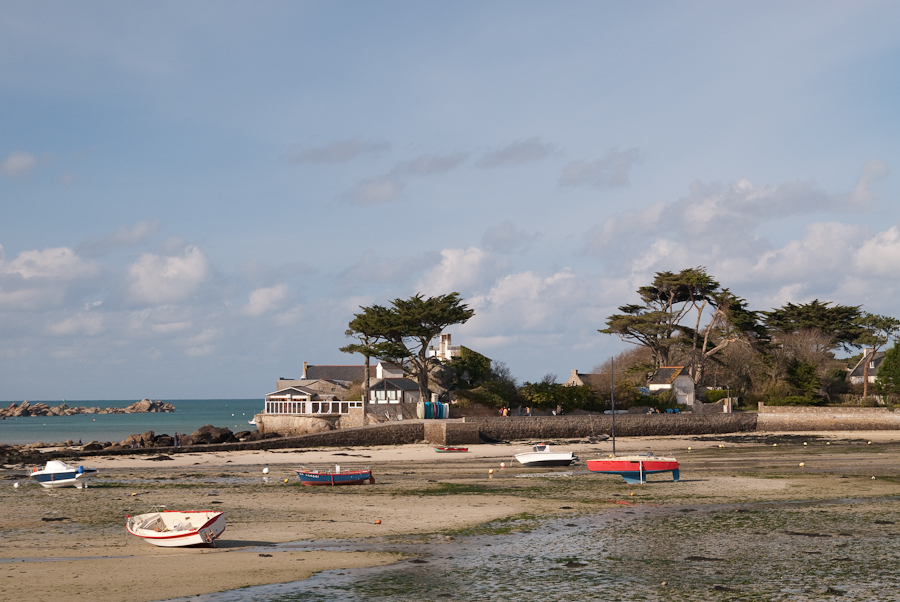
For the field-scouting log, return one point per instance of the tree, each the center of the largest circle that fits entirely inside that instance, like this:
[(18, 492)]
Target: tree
[(838, 323), (888, 379), (659, 325), (876, 332), (471, 368), (402, 333)]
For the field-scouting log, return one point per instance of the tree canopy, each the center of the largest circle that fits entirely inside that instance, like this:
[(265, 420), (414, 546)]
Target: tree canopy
[(402, 332), (888, 380), (839, 322)]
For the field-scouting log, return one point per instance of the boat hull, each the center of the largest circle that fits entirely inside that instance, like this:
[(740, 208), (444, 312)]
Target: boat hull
[(59, 474), (451, 450), (353, 477), (545, 459), (212, 525), (634, 469)]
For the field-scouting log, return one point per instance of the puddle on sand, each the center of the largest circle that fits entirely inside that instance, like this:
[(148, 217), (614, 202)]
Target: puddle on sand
[(741, 552)]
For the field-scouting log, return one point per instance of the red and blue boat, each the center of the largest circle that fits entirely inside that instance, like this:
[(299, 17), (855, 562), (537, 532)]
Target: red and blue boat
[(444, 449), (336, 477), (634, 469)]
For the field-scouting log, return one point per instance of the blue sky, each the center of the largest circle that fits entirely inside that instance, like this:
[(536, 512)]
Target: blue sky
[(195, 198)]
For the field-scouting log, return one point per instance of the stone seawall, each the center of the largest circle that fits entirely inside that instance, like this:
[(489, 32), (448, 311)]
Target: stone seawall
[(787, 418), (627, 425)]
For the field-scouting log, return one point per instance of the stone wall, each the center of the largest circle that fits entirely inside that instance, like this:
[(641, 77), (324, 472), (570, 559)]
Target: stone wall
[(794, 418), (627, 425), (442, 432)]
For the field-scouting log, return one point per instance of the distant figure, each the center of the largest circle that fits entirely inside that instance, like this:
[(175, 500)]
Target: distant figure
[(506, 412), (528, 411), (519, 411), (79, 442), (559, 410)]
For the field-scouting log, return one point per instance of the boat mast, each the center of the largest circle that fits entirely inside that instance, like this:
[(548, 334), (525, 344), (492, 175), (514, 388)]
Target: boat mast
[(612, 399)]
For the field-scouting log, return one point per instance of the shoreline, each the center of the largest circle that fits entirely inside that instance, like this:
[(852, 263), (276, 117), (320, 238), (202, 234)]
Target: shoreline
[(418, 493)]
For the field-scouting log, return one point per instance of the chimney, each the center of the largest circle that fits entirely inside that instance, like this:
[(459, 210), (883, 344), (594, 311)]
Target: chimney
[(304, 370)]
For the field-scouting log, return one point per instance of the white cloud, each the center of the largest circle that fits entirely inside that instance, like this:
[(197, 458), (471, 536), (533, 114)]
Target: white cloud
[(162, 279), (374, 191), (18, 163), (340, 151), (263, 300), (611, 170), (461, 270), (85, 323), (873, 170), (880, 255), (517, 153), (60, 263)]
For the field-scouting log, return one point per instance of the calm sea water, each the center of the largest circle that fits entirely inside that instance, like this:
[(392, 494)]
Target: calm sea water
[(189, 415)]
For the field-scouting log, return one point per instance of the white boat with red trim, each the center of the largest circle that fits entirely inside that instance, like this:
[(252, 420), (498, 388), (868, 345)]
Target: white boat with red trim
[(57, 473), (174, 529)]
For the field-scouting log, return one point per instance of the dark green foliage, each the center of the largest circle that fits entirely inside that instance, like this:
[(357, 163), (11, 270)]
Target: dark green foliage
[(401, 333), (888, 380), (838, 322), (713, 395), (547, 395), (793, 400), (471, 368), (804, 377)]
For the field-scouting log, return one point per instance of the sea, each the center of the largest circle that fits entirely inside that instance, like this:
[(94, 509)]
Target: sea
[(189, 415)]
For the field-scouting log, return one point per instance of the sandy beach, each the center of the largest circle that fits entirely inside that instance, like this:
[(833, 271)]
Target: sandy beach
[(417, 492)]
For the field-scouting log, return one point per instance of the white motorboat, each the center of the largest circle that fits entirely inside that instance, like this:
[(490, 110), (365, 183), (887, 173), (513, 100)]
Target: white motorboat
[(542, 456), (173, 529), (57, 473)]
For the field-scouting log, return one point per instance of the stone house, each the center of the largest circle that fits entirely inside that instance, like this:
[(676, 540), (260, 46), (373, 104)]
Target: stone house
[(579, 379), (857, 374), (675, 379)]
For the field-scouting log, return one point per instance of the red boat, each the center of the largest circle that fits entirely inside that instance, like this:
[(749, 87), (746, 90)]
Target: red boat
[(634, 469), (445, 450)]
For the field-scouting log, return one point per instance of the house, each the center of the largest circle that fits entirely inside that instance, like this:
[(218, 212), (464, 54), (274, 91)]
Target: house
[(299, 400), (579, 379), (675, 379), (874, 360), (445, 351), (394, 390)]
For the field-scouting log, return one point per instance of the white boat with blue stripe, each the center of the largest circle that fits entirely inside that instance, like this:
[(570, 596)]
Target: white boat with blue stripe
[(57, 473)]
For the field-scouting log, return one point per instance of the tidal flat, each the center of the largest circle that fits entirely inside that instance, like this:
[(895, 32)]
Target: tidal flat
[(746, 522)]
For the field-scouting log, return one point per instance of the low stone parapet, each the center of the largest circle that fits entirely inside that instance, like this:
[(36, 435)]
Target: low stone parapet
[(838, 418)]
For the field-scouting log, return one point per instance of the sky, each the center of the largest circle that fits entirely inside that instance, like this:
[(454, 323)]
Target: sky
[(195, 198)]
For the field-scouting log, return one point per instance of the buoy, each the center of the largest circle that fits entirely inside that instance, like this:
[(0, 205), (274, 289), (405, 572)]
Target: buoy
[(16, 484), (721, 446), (801, 463), (285, 480), (133, 494), (377, 521), (689, 449), (491, 471), (774, 445), (869, 443), (873, 478), (804, 443), (502, 464), (632, 493), (266, 470), (828, 443)]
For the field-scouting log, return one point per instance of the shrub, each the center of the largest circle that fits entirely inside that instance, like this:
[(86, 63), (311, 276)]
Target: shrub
[(714, 395), (793, 400)]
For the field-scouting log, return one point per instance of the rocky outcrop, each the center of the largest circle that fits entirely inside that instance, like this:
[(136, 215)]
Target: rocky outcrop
[(42, 409)]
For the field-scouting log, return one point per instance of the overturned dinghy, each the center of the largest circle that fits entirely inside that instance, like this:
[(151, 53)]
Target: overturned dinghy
[(173, 529), (57, 473)]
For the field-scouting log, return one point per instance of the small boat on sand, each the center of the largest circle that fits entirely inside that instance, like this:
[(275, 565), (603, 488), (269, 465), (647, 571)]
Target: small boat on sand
[(336, 477), (542, 456), (57, 473), (443, 449), (173, 529), (634, 469)]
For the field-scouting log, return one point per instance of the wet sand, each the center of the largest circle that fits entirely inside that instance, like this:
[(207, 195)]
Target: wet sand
[(418, 492)]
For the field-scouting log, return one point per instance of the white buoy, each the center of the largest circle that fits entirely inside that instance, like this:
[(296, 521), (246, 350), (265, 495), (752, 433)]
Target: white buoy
[(266, 470), (502, 464), (16, 484), (801, 463)]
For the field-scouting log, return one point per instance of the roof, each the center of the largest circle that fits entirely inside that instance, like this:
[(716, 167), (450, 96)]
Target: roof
[(593, 380), (859, 369), (404, 384), (294, 391), (667, 375), (345, 374)]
